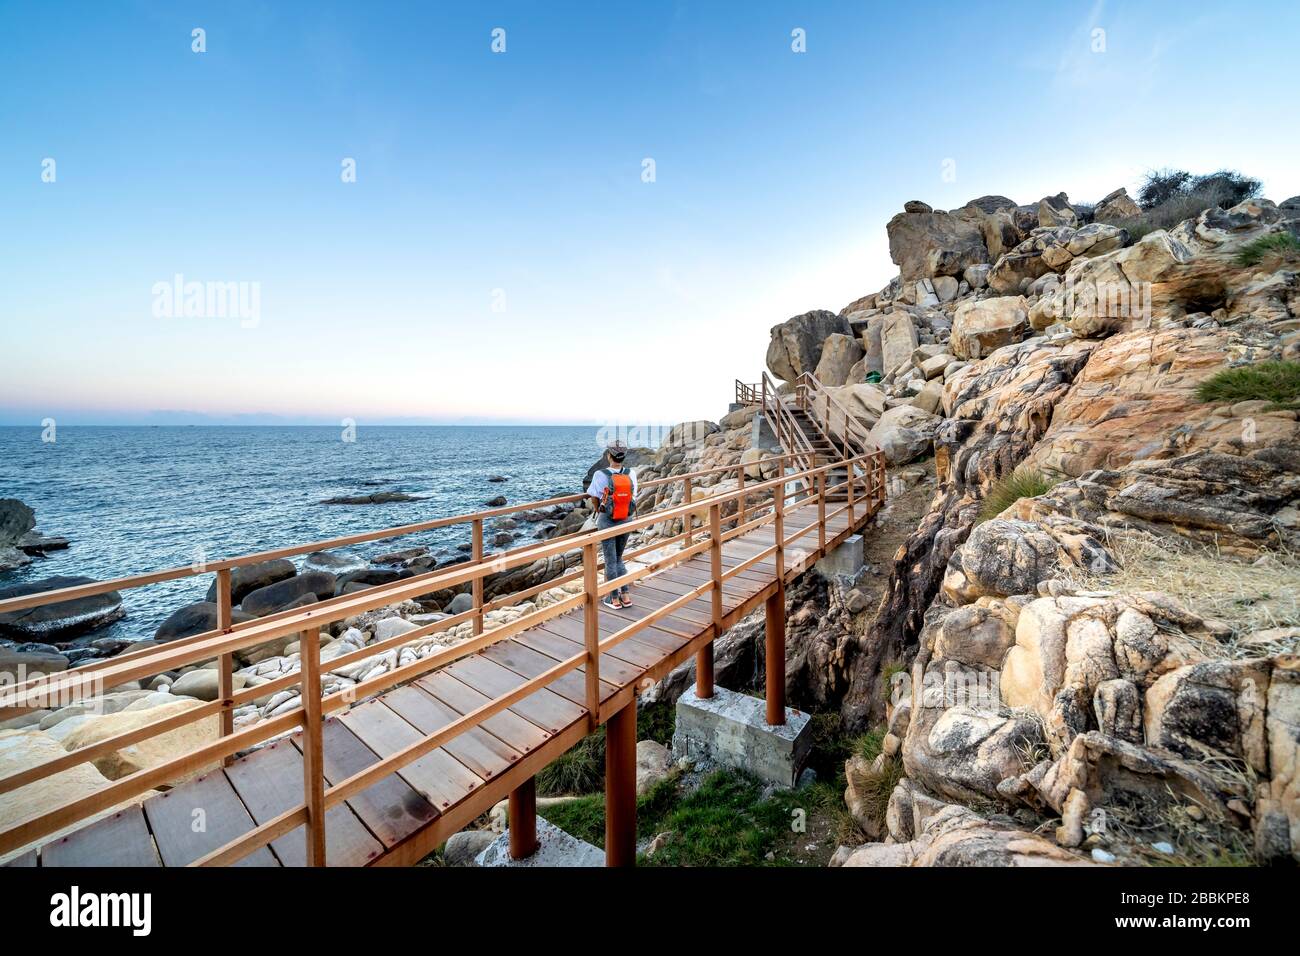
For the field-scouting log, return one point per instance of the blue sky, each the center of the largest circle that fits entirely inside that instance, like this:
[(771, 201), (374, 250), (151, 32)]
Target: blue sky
[(499, 257)]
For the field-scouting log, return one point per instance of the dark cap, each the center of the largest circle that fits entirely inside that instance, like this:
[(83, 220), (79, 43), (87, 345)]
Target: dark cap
[(617, 451)]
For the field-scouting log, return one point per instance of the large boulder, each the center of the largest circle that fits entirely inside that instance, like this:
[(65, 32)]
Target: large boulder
[(151, 751), (925, 244), (1116, 207), (840, 353), (1057, 211), (980, 327), (16, 522), (275, 597), (905, 433), (1007, 556), (250, 577), (796, 344), (689, 434), (898, 339), (194, 619), (1277, 812), (17, 666), (64, 619), (1214, 704)]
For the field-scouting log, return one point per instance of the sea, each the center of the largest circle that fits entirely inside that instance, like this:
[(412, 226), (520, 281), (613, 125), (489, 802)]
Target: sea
[(145, 498)]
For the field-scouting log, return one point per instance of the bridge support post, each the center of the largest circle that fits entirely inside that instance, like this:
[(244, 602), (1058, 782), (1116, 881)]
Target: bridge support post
[(620, 787), (313, 754), (523, 819), (774, 621), (226, 664)]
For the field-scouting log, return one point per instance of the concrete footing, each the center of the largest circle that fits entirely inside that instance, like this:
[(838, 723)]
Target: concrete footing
[(554, 848), (731, 729), (844, 561)]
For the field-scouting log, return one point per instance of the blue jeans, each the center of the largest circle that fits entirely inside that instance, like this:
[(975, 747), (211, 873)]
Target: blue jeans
[(612, 550)]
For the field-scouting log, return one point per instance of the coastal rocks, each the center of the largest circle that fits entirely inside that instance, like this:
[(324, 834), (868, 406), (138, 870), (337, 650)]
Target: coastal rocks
[(957, 836), (195, 619), (375, 498), (796, 344), (61, 620), (202, 683), (16, 520), (904, 433), (924, 244), (23, 749), (333, 562), (250, 577), (980, 327), (274, 597), (18, 665)]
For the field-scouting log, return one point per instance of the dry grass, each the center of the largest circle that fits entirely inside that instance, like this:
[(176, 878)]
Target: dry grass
[(1246, 596)]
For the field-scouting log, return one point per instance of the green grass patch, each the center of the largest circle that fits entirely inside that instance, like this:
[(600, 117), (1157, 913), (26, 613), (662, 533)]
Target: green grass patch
[(725, 822), (1281, 244), (1006, 491), (1276, 382)]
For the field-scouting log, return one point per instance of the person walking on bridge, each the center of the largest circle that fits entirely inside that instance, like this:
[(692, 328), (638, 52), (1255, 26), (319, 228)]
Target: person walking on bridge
[(614, 491)]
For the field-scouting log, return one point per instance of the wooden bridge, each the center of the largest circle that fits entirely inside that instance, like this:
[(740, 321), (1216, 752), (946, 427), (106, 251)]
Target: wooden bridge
[(384, 771)]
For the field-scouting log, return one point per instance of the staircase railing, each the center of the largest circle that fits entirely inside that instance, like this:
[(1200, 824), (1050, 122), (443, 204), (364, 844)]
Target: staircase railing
[(851, 435), (789, 433)]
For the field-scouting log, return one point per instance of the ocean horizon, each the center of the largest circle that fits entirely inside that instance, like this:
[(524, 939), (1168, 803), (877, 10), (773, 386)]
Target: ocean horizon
[(139, 498)]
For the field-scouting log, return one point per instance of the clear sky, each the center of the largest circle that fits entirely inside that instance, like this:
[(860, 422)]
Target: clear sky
[(500, 256)]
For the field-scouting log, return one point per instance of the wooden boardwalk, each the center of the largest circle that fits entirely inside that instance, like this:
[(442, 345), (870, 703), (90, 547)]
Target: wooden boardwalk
[(407, 814)]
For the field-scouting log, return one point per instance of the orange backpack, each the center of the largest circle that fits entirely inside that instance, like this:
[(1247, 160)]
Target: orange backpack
[(616, 501)]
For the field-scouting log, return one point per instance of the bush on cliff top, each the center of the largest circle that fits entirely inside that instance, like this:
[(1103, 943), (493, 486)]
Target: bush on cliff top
[(1276, 382), (1223, 188), (1006, 491)]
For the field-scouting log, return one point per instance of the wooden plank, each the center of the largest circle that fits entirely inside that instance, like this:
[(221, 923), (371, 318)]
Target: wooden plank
[(440, 777), (120, 839), (475, 748), (507, 726), (529, 663), (199, 816), (631, 653), (545, 708), (390, 809), (269, 782)]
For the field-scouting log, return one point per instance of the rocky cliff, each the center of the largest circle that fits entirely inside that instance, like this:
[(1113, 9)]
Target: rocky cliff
[(1091, 630)]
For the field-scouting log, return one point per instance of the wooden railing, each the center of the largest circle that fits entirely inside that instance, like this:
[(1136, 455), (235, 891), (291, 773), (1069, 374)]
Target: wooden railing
[(747, 394), (865, 488)]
